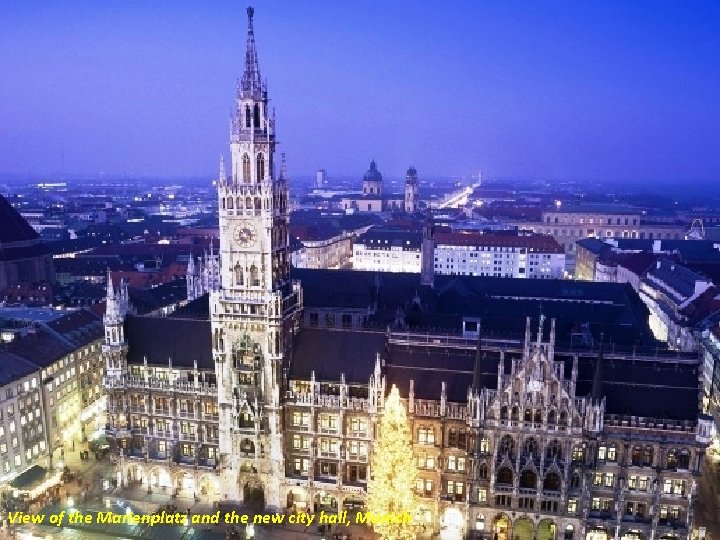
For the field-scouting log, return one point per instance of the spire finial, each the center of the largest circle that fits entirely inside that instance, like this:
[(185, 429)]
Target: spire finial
[(251, 80), (110, 288), (222, 176), (283, 167)]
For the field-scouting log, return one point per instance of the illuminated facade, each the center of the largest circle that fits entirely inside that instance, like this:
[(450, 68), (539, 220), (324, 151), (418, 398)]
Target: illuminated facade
[(249, 394)]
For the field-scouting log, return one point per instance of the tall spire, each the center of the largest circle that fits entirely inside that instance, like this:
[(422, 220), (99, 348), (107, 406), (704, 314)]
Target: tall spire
[(110, 289), (596, 391), (222, 175), (478, 355), (283, 167), (251, 81)]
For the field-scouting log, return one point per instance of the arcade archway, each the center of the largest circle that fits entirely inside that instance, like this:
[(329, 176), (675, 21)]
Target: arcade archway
[(501, 528), (523, 529), (451, 527), (546, 530)]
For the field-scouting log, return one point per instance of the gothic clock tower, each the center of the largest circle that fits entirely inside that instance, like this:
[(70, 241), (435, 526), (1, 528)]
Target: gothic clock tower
[(254, 310)]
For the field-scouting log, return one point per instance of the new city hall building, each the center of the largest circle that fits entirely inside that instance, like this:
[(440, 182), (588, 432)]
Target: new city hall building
[(539, 409)]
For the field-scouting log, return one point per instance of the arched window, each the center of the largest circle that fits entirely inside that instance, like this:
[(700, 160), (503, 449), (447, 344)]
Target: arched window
[(238, 203), (531, 447), (503, 412), (569, 532), (246, 168), (683, 459), (671, 459), (479, 523), (257, 115), (239, 275), (254, 276), (515, 415), (258, 203), (248, 203), (648, 455), (552, 482), (230, 203), (528, 415), (260, 164), (575, 480), (507, 445), (223, 203), (528, 479), (551, 417), (538, 416), (563, 418), (483, 471), (452, 437), (248, 116), (484, 445), (554, 450), (505, 476)]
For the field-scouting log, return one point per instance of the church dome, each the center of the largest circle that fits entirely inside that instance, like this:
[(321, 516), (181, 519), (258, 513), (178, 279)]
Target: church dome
[(373, 175)]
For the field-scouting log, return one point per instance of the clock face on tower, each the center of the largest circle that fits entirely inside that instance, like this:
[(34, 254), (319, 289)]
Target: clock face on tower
[(245, 234)]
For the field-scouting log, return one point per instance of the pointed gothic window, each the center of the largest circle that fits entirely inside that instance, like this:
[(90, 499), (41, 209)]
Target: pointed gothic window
[(575, 480), (246, 168), (260, 168), (254, 276), (554, 450), (528, 480), (505, 476), (239, 203), (552, 482), (531, 447), (239, 275), (258, 204), (230, 203), (507, 445), (248, 116), (257, 116), (248, 203)]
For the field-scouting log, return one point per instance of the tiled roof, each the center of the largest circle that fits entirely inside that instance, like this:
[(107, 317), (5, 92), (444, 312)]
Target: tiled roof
[(381, 238), (534, 242), (677, 276), (14, 227), (14, 367), (330, 353), (40, 347), (159, 339)]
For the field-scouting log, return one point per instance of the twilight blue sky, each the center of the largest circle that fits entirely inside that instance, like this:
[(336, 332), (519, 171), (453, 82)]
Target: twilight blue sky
[(619, 91)]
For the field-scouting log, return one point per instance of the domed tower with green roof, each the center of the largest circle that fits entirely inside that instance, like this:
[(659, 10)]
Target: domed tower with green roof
[(372, 181)]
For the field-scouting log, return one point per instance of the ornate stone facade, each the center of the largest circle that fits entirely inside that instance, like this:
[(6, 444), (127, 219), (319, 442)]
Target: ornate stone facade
[(513, 438)]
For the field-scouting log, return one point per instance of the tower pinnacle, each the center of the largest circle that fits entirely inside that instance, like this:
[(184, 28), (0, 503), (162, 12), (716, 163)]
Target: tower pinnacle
[(251, 81)]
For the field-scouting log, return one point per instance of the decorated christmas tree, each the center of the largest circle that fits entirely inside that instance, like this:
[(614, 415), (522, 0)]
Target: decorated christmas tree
[(392, 480)]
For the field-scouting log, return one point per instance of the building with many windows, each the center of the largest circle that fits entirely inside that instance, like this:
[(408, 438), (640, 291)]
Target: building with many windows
[(532, 256), (534, 403), (570, 223)]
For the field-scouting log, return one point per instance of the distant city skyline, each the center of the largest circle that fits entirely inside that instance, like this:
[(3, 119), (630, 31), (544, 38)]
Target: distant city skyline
[(558, 90)]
